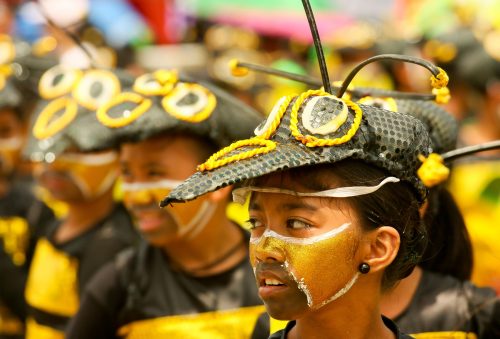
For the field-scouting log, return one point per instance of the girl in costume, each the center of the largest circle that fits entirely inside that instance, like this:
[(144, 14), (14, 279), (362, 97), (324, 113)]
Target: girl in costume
[(190, 277), (334, 200), (74, 165)]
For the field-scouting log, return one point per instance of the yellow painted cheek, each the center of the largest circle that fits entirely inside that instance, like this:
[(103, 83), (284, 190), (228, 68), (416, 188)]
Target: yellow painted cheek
[(323, 268), (144, 196), (184, 213), (93, 177)]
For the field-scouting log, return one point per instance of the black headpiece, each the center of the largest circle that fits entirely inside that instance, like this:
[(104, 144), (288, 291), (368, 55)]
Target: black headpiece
[(161, 102)]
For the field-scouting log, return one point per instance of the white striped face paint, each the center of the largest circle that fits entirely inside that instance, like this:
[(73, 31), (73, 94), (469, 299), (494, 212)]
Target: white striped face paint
[(190, 218)]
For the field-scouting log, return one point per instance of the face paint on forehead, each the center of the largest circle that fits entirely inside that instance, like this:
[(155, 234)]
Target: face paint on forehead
[(322, 266)]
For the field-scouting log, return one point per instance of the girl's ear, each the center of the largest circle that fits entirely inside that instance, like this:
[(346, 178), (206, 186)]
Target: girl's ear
[(383, 245), (220, 195)]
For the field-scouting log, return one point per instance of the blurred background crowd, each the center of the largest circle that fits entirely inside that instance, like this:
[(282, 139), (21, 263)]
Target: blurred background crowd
[(200, 38)]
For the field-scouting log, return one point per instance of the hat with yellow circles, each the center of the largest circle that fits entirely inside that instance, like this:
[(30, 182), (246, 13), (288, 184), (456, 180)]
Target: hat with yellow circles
[(164, 101), (66, 117)]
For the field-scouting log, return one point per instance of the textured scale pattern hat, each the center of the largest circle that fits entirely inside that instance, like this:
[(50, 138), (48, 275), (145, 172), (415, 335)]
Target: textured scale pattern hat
[(302, 131)]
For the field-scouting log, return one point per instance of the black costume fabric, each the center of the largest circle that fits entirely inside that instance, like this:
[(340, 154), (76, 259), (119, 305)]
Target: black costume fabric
[(443, 303), (141, 295), (282, 334), (22, 220), (52, 299), (440, 304)]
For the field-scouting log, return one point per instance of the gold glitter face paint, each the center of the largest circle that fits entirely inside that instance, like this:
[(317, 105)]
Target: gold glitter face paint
[(322, 265), (190, 218), (93, 173)]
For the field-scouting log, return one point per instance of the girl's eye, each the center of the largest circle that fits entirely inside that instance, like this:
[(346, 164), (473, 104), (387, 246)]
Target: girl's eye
[(296, 224), (253, 223)]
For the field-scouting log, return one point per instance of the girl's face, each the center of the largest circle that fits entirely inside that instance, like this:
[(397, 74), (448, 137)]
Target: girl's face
[(150, 169), (302, 250)]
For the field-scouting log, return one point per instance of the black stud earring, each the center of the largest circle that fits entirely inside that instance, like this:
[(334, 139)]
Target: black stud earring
[(364, 268)]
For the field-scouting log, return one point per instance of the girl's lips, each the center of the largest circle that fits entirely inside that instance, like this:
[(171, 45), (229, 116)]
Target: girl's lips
[(269, 291), (271, 281), (149, 224)]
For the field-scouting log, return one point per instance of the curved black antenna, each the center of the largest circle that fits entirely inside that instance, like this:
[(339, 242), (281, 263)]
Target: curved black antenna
[(317, 45), (284, 74), (457, 153), (406, 58), (72, 36), (358, 91)]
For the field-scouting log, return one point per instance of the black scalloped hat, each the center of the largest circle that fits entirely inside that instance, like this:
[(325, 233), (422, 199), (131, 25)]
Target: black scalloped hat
[(164, 101), (20, 68), (66, 115)]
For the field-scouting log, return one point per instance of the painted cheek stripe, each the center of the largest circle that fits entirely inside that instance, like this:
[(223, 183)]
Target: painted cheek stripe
[(300, 241)]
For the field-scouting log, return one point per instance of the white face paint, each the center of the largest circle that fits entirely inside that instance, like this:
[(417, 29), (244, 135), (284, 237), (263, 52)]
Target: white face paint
[(190, 221)]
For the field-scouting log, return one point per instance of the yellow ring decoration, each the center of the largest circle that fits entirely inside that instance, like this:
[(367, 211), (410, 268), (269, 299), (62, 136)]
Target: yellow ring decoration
[(215, 160), (89, 102), (169, 103), (2, 81), (48, 91), (11, 51), (143, 105), (440, 80), (312, 141), (393, 106), (237, 71), (44, 127), (166, 81)]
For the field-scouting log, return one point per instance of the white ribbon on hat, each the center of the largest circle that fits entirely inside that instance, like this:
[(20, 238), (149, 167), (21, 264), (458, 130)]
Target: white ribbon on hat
[(240, 194)]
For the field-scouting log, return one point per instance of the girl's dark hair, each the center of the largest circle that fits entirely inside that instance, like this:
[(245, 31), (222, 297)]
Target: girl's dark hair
[(449, 250), (394, 204)]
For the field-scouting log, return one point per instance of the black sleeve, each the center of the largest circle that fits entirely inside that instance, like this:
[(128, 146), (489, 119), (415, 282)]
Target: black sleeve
[(262, 327), (484, 306), (12, 282), (99, 308)]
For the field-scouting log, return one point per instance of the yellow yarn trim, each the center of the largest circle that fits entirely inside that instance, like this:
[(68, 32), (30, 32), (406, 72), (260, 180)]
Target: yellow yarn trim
[(165, 79), (124, 120), (432, 171), (46, 88), (170, 101), (237, 71), (215, 160), (82, 93), (44, 127), (442, 95), (312, 141), (440, 80), (277, 119)]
